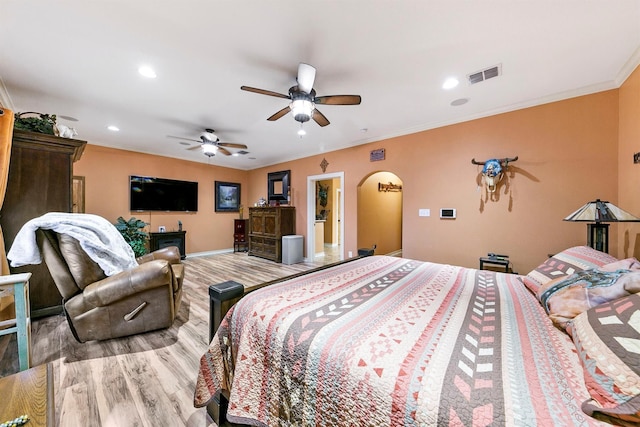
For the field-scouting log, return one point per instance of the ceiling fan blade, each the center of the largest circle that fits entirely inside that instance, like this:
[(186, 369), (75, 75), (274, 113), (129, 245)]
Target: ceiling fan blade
[(338, 100), (279, 114), (223, 151), (319, 118), (264, 92), (231, 145), (195, 147), (184, 139), (306, 77)]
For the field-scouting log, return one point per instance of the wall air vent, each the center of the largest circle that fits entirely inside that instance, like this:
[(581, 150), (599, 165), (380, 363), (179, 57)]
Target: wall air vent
[(486, 74)]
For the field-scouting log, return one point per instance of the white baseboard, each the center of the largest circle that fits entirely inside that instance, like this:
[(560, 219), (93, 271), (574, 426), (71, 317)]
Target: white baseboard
[(207, 253)]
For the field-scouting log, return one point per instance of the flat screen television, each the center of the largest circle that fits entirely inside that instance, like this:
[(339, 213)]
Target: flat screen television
[(160, 194)]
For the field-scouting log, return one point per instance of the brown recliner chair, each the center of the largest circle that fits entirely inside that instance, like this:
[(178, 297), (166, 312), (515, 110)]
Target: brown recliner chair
[(98, 307)]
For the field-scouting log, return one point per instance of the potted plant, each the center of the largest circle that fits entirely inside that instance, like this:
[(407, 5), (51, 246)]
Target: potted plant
[(134, 234), (42, 123)]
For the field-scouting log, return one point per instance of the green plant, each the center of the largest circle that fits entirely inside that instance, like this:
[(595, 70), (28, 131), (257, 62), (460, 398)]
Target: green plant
[(323, 193), (133, 233), (43, 123)]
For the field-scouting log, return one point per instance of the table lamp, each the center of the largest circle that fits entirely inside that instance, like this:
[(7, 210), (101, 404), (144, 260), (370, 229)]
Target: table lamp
[(598, 214)]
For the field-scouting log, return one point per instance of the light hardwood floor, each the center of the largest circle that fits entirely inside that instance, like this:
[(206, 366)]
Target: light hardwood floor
[(147, 379)]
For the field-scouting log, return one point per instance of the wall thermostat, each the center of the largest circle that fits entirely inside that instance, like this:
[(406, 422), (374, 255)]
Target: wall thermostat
[(447, 213)]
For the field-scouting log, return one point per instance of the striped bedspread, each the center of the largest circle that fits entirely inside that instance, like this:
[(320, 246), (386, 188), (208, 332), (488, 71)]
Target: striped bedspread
[(390, 341)]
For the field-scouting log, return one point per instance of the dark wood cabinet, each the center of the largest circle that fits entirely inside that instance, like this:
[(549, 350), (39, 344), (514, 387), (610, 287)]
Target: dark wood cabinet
[(240, 238), (169, 238), (267, 226), (40, 181)]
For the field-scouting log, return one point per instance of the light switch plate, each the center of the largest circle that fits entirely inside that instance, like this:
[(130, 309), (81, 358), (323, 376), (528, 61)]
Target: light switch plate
[(424, 212)]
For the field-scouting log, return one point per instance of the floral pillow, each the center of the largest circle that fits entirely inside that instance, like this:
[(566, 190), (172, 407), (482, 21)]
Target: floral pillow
[(607, 340), (565, 263)]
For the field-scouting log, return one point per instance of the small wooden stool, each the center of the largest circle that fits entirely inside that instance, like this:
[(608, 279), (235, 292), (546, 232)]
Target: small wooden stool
[(18, 285)]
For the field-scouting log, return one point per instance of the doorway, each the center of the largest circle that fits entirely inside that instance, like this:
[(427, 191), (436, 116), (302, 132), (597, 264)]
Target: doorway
[(332, 217), (380, 213)]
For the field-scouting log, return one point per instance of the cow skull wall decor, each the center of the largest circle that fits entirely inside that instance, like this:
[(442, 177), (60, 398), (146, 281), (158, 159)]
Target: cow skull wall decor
[(493, 171)]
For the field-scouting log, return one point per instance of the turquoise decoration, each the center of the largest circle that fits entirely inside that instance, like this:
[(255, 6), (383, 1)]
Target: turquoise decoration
[(492, 168)]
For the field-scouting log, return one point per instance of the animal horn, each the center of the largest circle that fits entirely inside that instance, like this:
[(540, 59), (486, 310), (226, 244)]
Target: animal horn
[(478, 163)]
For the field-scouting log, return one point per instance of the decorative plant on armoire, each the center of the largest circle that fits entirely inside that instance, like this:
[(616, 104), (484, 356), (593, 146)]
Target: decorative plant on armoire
[(134, 234)]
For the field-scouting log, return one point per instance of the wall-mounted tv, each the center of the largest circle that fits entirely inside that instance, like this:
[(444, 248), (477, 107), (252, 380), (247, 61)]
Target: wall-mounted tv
[(160, 194)]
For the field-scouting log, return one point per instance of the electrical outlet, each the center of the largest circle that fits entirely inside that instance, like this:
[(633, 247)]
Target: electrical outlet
[(162, 229), (350, 254)]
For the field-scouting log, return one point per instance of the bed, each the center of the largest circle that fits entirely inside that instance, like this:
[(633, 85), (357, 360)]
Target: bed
[(391, 341)]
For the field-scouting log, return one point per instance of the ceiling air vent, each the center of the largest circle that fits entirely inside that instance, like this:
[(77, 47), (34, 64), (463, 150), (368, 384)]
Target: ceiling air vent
[(243, 152), (486, 74)]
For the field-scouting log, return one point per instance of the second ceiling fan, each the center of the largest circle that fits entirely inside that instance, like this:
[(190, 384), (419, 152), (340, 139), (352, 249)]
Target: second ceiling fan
[(210, 144), (304, 100)]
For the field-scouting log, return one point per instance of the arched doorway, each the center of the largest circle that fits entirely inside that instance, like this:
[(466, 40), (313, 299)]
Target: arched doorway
[(380, 213)]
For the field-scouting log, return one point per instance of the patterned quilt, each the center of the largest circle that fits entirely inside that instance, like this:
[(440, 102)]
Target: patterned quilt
[(390, 341)]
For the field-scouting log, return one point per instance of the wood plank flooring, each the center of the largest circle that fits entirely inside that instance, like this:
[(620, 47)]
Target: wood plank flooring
[(147, 379)]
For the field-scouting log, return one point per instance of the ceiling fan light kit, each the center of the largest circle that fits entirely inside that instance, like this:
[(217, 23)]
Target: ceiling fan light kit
[(302, 109)]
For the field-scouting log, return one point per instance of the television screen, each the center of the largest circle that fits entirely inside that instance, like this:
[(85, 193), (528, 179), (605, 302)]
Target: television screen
[(160, 194)]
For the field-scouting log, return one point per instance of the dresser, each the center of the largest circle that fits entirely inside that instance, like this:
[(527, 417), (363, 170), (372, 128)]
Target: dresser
[(240, 235), (267, 226), (40, 181)]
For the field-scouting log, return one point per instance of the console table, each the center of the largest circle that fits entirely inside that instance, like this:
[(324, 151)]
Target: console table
[(168, 238)]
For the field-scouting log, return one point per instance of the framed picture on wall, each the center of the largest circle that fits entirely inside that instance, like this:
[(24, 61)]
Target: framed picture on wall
[(227, 196)]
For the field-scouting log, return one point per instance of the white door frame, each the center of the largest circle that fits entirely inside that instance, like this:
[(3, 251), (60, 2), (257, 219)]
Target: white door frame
[(311, 212)]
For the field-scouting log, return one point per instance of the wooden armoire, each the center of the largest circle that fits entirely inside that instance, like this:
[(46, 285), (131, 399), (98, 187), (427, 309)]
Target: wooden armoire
[(268, 225), (40, 181)]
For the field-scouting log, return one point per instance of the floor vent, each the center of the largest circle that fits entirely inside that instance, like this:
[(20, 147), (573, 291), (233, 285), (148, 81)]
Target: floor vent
[(486, 74)]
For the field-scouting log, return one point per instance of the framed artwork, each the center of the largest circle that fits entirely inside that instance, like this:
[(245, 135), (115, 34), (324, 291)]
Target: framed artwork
[(278, 187), (227, 196)]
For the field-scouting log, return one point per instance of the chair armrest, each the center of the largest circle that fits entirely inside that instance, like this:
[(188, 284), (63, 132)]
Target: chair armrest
[(170, 253), (146, 276)]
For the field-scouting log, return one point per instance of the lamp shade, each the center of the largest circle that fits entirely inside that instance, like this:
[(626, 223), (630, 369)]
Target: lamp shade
[(599, 211), (598, 214)]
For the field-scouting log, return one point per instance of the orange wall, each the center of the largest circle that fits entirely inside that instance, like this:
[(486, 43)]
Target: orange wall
[(629, 176), (107, 171), (568, 155)]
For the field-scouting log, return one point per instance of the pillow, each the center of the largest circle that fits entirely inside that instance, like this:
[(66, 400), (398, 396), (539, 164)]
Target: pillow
[(607, 340), (564, 263), (567, 297)]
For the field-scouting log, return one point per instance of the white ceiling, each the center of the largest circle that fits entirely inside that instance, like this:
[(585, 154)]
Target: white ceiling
[(79, 58)]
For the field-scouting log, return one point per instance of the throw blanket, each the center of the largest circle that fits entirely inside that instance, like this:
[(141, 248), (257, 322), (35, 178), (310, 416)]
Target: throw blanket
[(102, 242), (385, 341)]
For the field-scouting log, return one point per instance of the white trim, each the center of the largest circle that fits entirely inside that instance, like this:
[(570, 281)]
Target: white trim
[(207, 253), (311, 208)]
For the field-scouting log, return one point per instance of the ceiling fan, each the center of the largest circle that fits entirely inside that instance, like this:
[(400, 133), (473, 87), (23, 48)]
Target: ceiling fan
[(304, 100), (210, 144)]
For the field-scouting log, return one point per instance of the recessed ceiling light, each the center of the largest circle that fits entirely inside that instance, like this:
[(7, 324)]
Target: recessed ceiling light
[(147, 72), (460, 101), (450, 83), (235, 154), (113, 128)]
